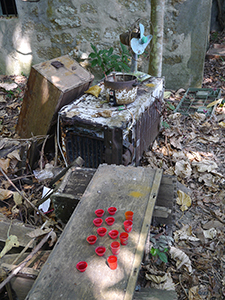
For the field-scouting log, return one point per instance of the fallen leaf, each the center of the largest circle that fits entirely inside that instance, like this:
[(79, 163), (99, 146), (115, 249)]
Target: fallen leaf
[(178, 155), (181, 258), (198, 117), (222, 124), (8, 86), (175, 116), (17, 198), (184, 200), (178, 92), (155, 278), (105, 113), (11, 242), (204, 165), (185, 233), (183, 169), (214, 103), (193, 293), (14, 154), (210, 233), (208, 179), (165, 284), (2, 99), (150, 84), (5, 194), (167, 94), (53, 238), (213, 223), (4, 164), (94, 90), (176, 142)]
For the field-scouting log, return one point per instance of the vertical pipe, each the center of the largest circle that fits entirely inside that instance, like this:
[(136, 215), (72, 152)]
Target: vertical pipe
[(157, 20), (5, 8), (134, 62), (14, 7)]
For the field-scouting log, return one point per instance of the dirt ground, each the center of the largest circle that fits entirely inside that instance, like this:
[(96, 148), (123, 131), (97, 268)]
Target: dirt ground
[(192, 148)]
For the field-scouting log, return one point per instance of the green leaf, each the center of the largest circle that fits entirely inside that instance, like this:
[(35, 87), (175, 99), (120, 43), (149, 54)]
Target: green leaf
[(94, 48), (115, 56), (92, 55), (165, 124), (110, 51), (94, 62), (124, 49), (99, 61), (163, 256), (153, 251), (124, 66), (170, 105)]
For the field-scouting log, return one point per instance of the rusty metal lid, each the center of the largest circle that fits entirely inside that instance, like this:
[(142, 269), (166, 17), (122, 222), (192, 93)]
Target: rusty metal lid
[(120, 81)]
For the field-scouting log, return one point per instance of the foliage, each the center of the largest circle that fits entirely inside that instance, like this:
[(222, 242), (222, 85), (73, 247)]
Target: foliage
[(214, 36), (165, 125), (161, 254), (170, 106), (160, 246), (108, 61)]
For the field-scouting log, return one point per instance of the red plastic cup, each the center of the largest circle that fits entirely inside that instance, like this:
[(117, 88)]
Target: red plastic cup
[(115, 248), (113, 234), (128, 225), (91, 239), (81, 266), (98, 222), (99, 212), (110, 221), (101, 231), (124, 238), (112, 210), (112, 262), (100, 251), (129, 215)]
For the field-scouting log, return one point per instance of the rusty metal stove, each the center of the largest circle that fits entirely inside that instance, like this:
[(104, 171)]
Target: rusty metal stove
[(102, 133)]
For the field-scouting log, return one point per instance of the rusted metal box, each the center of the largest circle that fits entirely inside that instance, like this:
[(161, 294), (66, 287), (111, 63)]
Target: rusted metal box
[(51, 85), (101, 133)]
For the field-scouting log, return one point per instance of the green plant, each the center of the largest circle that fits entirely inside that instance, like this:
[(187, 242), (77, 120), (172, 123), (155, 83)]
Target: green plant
[(214, 36), (108, 61), (170, 106), (165, 125), (160, 243), (161, 254), (10, 94)]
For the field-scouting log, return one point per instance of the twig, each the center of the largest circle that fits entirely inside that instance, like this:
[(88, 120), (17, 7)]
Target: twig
[(24, 197), (42, 152), (24, 262), (27, 246), (183, 286), (56, 150)]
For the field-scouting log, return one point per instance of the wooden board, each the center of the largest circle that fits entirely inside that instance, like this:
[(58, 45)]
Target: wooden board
[(127, 188), (155, 294), (16, 228)]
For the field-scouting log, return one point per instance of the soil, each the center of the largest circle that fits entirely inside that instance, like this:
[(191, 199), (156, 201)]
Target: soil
[(192, 148)]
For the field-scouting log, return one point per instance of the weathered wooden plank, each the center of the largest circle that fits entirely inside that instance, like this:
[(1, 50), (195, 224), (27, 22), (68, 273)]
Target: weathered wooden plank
[(155, 294), (127, 188), (143, 235), (16, 228), (29, 272)]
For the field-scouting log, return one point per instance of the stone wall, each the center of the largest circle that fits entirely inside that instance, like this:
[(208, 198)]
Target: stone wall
[(186, 33), (52, 28)]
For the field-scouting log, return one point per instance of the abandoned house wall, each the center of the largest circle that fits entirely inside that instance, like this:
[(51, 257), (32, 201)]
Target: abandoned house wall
[(48, 29)]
